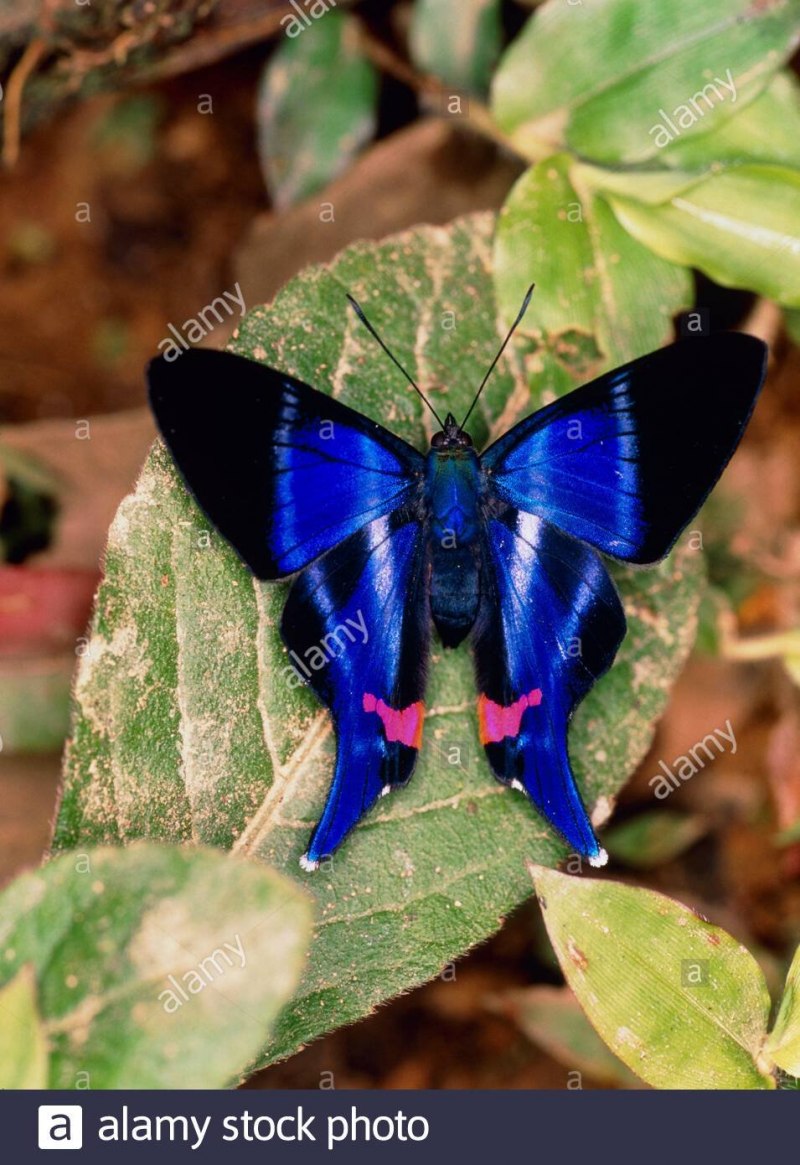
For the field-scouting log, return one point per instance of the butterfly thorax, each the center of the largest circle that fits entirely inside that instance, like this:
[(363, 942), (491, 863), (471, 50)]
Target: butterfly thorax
[(453, 495)]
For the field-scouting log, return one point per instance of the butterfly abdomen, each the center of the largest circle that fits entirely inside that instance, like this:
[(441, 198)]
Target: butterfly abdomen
[(453, 489)]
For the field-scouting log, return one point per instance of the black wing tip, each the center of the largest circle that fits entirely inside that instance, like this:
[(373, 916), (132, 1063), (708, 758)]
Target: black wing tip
[(730, 343)]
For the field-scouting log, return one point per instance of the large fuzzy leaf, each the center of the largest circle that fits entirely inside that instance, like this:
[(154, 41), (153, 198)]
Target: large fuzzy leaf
[(186, 726)]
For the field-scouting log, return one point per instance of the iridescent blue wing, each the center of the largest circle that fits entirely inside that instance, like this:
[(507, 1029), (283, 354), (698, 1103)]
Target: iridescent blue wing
[(549, 626), (626, 461), (283, 471), (357, 626)]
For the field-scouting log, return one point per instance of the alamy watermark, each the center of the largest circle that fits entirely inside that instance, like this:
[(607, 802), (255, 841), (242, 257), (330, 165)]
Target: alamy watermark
[(684, 116), (686, 765), (319, 655), (306, 12), (198, 327), (202, 975)]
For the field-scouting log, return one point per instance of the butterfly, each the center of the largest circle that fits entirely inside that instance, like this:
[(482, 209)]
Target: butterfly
[(387, 543)]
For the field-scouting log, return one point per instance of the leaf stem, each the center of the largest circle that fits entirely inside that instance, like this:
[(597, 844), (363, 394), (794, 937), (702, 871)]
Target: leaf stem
[(426, 85)]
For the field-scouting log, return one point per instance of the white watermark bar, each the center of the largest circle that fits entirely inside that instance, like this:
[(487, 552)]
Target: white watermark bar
[(395, 1126)]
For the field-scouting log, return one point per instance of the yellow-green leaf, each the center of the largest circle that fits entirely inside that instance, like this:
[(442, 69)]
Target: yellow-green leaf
[(678, 1000), (783, 1044), (23, 1062), (740, 226)]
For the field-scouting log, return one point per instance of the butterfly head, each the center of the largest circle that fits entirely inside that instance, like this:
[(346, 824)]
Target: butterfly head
[(452, 436)]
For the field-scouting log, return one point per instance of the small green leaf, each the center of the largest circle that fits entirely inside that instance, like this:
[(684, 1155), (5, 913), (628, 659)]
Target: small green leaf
[(649, 839), (739, 226), (592, 279), (782, 645), (457, 40), (552, 1018), (35, 702), (316, 109), (156, 967), (783, 1044), (23, 1063), (189, 722), (766, 130), (678, 1000), (600, 76)]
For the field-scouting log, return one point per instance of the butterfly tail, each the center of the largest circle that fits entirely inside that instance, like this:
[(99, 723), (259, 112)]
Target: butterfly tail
[(541, 768), (550, 624), (367, 767)]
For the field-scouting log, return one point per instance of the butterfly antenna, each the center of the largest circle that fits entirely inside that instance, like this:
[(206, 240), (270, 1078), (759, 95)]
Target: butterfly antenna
[(358, 309), (493, 364)]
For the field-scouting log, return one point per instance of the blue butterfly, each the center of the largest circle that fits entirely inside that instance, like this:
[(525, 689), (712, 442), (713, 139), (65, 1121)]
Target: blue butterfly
[(501, 546)]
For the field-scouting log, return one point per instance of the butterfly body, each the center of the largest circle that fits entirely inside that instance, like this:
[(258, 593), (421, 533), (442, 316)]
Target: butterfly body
[(454, 498), (385, 543)]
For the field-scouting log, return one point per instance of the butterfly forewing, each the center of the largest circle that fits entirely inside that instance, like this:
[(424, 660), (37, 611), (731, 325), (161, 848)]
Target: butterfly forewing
[(283, 471), (626, 461)]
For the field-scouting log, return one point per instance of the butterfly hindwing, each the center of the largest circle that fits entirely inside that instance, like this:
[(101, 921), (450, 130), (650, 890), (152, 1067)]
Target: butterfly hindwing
[(283, 471), (625, 462), (357, 621), (549, 626)]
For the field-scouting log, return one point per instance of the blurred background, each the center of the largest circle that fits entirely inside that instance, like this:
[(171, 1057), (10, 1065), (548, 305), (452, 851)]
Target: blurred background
[(146, 170)]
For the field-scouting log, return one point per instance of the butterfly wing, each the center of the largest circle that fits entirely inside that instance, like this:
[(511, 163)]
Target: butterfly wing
[(357, 621), (625, 462), (549, 626), (284, 472)]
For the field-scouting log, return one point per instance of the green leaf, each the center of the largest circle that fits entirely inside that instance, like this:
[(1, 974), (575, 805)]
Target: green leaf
[(678, 1000), (792, 321), (783, 1044), (740, 227), (552, 1018), (156, 967), (34, 702), (766, 130), (316, 109), (594, 283), (649, 839), (188, 723), (457, 40), (598, 77), (23, 1063)]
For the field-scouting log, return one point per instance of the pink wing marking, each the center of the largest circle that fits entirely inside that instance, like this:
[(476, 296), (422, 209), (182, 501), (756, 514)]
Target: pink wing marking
[(496, 722), (403, 724)]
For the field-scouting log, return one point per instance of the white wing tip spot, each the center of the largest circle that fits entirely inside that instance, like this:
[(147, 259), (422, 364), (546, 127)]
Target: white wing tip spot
[(307, 864), (599, 859)]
